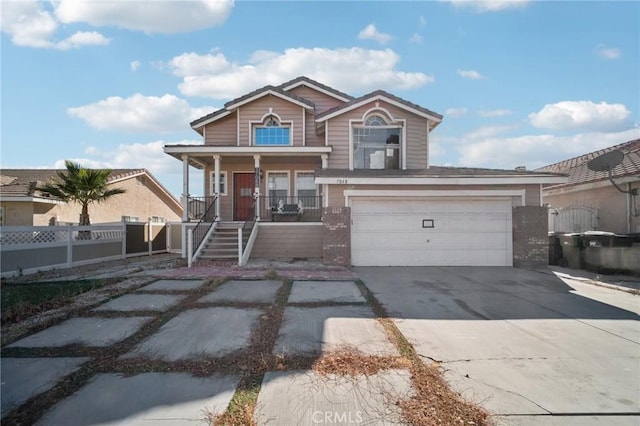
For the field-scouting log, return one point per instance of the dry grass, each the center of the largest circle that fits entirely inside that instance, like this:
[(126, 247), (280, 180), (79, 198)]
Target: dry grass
[(434, 402), (351, 362)]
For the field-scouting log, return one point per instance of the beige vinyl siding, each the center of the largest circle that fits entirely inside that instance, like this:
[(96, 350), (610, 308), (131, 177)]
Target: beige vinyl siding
[(417, 147), (532, 192), (415, 129), (255, 110), (338, 140), (284, 240), (222, 132), (322, 103)]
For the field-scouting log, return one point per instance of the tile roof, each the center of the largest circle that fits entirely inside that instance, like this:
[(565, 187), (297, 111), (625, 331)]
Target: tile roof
[(23, 182), (579, 173), (249, 95), (432, 171), (379, 93), (304, 79)]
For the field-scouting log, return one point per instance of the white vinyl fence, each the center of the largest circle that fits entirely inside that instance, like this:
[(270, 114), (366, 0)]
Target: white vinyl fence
[(30, 249)]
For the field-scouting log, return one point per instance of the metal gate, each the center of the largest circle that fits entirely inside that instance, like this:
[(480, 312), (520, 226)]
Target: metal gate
[(573, 219)]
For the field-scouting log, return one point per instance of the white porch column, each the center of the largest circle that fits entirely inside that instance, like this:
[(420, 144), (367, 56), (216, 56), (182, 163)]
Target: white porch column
[(185, 188), (325, 161), (216, 183), (256, 191)]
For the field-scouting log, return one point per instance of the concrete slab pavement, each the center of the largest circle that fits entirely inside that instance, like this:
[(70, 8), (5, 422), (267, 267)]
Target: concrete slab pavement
[(84, 331), (173, 285), (306, 398), (322, 329), (23, 378), (519, 342), (141, 302), (256, 291), (144, 399), (212, 332), (325, 291)]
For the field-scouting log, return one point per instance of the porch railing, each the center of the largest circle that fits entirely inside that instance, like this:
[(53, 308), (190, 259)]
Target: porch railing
[(291, 209), (247, 227), (198, 206), (206, 222)]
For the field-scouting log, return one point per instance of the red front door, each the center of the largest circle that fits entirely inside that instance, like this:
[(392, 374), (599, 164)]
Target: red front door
[(242, 195)]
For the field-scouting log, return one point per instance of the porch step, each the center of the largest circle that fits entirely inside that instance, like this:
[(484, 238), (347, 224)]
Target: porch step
[(223, 243)]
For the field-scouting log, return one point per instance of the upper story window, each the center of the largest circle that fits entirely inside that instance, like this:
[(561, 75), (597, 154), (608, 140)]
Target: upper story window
[(272, 132), (376, 144)]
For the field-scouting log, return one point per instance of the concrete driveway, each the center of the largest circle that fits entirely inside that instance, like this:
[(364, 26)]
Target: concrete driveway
[(530, 347)]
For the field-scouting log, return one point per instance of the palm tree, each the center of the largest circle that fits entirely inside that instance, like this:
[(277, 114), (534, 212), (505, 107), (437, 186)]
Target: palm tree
[(84, 186)]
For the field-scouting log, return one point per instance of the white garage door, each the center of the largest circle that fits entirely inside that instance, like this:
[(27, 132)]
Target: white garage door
[(431, 232)]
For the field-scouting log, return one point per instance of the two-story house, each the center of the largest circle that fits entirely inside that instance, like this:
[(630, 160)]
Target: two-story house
[(323, 174)]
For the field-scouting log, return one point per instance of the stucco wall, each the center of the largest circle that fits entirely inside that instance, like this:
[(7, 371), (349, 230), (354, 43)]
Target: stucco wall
[(611, 205), (140, 200), (18, 214)]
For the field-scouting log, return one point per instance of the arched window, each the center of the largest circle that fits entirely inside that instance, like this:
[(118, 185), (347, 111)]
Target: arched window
[(271, 132), (376, 143)]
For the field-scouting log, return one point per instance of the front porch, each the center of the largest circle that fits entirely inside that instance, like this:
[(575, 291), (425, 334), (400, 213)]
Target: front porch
[(272, 209)]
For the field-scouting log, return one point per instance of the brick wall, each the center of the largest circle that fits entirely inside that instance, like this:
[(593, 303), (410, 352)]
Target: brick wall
[(336, 236), (530, 237)]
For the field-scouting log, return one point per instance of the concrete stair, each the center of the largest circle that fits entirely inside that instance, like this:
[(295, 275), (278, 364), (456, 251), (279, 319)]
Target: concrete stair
[(223, 243)]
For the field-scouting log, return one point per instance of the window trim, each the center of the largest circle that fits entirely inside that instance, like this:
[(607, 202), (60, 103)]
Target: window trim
[(396, 123), (256, 124), (316, 187), (212, 183), (266, 182)]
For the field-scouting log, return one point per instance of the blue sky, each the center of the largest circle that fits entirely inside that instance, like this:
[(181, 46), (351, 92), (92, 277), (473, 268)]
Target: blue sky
[(109, 83)]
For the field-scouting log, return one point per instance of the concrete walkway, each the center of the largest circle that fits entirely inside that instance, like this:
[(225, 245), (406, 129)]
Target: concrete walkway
[(528, 346), (189, 322)]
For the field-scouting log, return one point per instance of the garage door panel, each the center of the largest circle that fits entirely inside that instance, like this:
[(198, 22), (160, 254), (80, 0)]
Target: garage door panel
[(465, 232)]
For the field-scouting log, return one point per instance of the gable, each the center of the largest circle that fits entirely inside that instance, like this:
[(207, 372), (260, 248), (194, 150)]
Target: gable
[(322, 101)]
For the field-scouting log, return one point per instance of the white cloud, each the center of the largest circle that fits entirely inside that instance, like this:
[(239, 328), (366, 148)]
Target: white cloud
[(139, 113), (607, 52), (354, 70), (470, 74), (584, 115), (370, 32), (135, 65), (416, 38), (490, 5), (487, 132), (83, 38), (422, 22), (533, 151), (151, 17), (456, 112), (29, 24), (494, 113)]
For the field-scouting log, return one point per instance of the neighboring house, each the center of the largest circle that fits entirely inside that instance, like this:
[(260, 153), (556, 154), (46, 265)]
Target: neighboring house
[(22, 205), (588, 201), (348, 180)]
